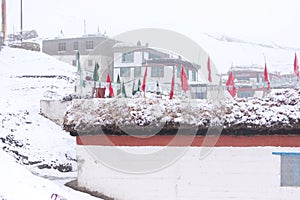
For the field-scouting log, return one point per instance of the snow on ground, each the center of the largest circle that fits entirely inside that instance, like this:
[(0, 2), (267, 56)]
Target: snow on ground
[(35, 142), (19, 183), (45, 150), (17, 62)]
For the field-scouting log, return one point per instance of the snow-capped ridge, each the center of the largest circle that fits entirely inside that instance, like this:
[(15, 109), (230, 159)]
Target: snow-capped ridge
[(271, 45)]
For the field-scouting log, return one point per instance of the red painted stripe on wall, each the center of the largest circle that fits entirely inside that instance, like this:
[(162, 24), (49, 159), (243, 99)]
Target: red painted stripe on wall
[(181, 140)]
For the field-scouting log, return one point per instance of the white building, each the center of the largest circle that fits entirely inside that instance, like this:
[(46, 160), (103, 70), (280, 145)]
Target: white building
[(130, 63), (92, 49)]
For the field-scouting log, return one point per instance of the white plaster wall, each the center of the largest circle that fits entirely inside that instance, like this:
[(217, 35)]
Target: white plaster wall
[(227, 173), (54, 110), (103, 61)]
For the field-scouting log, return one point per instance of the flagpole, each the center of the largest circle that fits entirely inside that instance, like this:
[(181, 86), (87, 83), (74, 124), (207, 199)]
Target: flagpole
[(21, 20), (172, 85), (4, 26)]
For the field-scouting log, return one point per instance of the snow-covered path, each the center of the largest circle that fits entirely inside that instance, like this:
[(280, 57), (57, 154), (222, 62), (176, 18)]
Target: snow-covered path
[(33, 144), (19, 183)]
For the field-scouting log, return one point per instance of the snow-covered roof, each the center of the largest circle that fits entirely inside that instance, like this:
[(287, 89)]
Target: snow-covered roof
[(173, 62), (64, 37), (126, 44), (251, 68)]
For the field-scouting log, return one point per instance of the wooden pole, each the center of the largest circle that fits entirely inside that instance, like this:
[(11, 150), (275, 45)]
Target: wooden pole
[(21, 20)]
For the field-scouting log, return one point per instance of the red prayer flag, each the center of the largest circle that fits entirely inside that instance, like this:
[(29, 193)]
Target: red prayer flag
[(184, 82), (172, 87), (144, 80), (209, 70), (111, 91), (266, 76), (296, 67), (230, 85), (108, 78)]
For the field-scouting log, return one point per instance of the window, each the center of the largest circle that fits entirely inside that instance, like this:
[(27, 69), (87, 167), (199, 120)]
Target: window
[(153, 56), (125, 72), (201, 95), (187, 72), (137, 72), (194, 78), (289, 168), (62, 46), (245, 94), (127, 57), (75, 46), (90, 63), (74, 63), (89, 45), (157, 71), (178, 71)]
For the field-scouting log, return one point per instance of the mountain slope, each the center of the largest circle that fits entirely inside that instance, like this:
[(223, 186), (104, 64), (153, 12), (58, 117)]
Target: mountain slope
[(33, 141), (226, 51)]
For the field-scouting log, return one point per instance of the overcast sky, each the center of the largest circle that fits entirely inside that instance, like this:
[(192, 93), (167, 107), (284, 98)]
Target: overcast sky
[(260, 20)]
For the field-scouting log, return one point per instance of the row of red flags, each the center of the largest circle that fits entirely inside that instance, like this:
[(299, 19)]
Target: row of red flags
[(183, 79), (230, 82), (184, 83)]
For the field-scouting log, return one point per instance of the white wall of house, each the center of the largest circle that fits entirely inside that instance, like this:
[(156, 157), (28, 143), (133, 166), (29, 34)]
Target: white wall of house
[(88, 62), (227, 172)]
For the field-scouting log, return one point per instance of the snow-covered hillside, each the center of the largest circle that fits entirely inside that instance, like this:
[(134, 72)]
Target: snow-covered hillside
[(226, 51), (33, 141)]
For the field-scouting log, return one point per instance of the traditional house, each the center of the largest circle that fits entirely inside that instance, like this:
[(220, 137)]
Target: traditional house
[(131, 61), (92, 49)]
